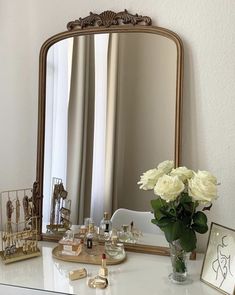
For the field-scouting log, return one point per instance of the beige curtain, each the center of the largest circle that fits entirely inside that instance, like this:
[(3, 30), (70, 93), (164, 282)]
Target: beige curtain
[(80, 127), (110, 202)]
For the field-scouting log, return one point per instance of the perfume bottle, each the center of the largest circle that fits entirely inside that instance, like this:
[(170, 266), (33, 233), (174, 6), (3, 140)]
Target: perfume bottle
[(105, 227), (114, 249), (91, 240), (125, 235)]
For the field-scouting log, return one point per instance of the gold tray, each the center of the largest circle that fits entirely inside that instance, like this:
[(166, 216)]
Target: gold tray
[(84, 257)]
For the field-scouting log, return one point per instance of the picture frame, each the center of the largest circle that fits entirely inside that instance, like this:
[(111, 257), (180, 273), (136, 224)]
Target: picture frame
[(218, 269)]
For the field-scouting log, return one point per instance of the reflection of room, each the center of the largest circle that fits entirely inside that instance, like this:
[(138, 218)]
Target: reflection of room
[(93, 136)]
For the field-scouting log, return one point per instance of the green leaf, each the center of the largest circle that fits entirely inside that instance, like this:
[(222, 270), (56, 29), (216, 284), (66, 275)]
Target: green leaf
[(186, 220), (185, 198), (171, 212), (167, 212), (201, 229), (154, 221), (162, 222), (159, 214), (157, 204), (180, 265), (162, 209), (173, 230), (200, 219), (189, 207), (188, 240), (200, 222)]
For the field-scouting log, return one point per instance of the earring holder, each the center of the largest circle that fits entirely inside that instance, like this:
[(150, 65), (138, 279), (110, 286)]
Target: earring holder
[(19, 226)]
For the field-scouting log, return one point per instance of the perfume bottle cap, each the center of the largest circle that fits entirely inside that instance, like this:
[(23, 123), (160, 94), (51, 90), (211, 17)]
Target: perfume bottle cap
[(106, 215), (91, 227)]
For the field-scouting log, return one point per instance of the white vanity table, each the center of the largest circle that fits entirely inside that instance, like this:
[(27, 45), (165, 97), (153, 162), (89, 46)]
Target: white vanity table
[(139, 274)]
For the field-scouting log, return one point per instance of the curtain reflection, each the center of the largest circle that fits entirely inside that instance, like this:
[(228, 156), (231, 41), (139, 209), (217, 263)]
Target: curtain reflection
[(80, 135), (98, 172), (110, 200), (57, 97), (82, 130), (106, 57)]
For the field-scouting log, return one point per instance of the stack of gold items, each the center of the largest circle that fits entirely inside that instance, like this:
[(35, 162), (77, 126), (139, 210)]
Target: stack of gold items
[(60, 209)]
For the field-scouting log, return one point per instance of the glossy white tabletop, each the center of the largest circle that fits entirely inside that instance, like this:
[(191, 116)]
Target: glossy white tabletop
[(139, 274)]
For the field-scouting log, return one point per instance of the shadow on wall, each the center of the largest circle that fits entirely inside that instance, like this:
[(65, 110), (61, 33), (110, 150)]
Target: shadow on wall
[(189, 155)]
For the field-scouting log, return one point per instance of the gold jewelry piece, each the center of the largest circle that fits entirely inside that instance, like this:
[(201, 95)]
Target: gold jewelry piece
[(17, 210), (10, 209)]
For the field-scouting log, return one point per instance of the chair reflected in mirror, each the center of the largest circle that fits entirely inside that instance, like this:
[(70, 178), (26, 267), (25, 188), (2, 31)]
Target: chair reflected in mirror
[(150, 234), (141, 220)]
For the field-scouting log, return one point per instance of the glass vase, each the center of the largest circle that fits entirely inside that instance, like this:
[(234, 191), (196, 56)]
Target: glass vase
[(179, 263)]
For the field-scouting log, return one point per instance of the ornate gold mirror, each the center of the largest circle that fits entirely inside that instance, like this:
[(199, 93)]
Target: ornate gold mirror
[(110, 92)]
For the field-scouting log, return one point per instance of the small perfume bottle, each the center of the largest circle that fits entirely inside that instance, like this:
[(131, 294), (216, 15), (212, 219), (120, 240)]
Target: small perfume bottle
[(114, 249), (105, 227), (125, 235), (91, 240)]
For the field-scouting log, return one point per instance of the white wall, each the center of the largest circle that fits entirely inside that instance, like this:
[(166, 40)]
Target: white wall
[(207, 30)]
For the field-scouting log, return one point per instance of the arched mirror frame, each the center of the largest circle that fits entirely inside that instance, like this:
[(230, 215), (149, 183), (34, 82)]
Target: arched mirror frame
[(106, 22)]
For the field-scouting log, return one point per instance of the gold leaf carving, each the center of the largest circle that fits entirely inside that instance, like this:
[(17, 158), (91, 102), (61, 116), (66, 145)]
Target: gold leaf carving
[(109, 18)]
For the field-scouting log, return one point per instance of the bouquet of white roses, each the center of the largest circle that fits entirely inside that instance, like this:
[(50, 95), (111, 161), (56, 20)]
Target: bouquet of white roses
[(180, 191)]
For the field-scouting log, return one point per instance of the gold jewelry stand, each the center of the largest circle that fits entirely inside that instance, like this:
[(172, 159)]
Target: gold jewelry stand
[(19, 231)]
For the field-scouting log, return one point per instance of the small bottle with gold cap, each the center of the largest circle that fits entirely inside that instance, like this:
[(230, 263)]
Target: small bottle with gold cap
[(91, 240), (105, 227)]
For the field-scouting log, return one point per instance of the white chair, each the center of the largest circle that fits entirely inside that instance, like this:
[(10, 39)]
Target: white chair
[(142, 220)]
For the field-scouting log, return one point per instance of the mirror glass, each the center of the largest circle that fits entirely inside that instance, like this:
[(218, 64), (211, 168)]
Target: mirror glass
[(110, 116)]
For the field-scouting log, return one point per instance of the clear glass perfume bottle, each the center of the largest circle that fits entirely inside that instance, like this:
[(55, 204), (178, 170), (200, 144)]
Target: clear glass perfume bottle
[(114, 249), (125, 234), (105, 227)]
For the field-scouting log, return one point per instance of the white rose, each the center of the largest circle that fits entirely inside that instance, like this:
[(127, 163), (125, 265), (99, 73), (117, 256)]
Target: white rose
[(207, 175), (166, 166), (182, 172), (150, 178), (202, 187), (168, 187)]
